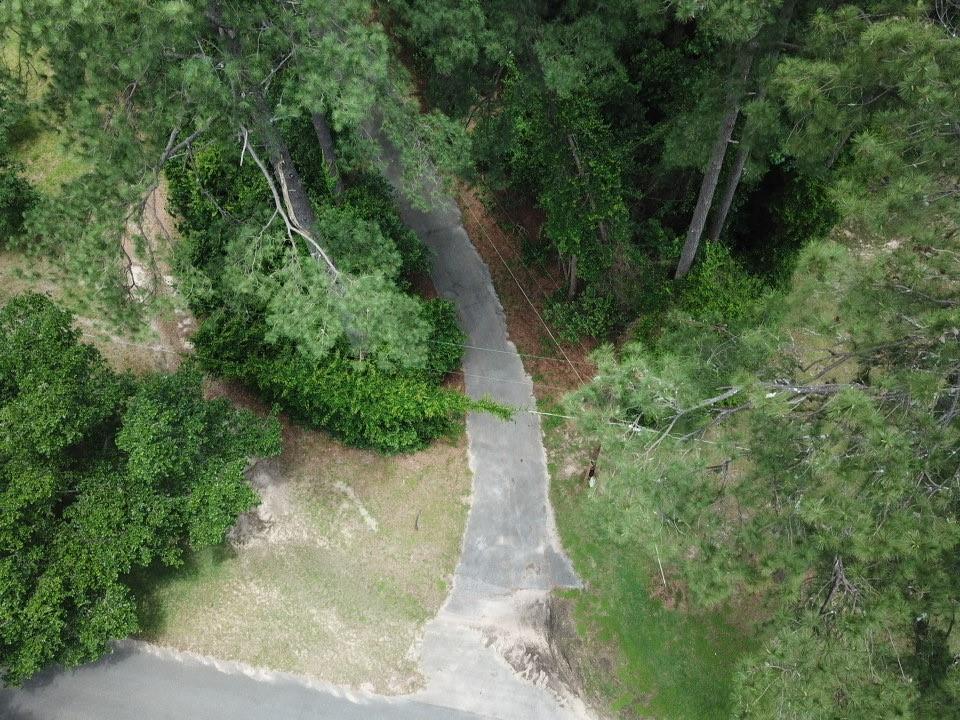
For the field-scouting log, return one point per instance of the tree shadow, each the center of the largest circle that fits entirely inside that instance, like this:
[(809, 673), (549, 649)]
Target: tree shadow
[(14, 699), (148, 584), (9, 711)]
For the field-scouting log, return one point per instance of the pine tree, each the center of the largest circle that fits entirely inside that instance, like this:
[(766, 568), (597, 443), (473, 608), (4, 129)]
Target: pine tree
[(157, 80), (823, 479)]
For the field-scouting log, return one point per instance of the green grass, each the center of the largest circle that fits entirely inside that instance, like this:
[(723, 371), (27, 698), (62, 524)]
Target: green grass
[(640, 659), (47, 159)]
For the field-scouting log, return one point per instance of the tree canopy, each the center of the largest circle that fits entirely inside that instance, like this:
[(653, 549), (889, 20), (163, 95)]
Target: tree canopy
[(101, 475), (779, 418), (820, 473), (609, 115), (155, 80), (759, 200)]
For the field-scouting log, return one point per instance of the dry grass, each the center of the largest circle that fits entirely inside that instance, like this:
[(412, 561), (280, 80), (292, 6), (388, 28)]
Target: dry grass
[(350, 553), (140, 353)]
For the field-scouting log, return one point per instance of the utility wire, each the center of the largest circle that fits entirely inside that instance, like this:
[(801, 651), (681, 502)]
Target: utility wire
[(540, 263), (527, 297), (509, 382), (510, 352)]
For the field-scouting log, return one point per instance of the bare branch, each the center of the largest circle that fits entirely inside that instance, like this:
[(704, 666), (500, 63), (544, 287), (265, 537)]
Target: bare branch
[(292, 228)]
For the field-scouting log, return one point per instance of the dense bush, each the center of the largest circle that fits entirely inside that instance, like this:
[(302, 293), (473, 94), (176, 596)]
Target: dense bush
[(14, 120), (353, 400), (787, 211), (446, 340), (372, 198), (590, 314), (101, 475), (392, 410), (719, 290)]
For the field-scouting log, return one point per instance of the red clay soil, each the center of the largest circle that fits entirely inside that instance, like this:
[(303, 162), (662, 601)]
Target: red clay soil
[(556, 366)]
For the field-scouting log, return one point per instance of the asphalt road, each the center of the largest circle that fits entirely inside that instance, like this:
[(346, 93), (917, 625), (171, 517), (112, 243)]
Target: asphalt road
[(511, 556), (132, 684), (510, 560)]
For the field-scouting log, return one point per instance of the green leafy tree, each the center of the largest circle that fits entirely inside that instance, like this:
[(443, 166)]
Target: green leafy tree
[(100, 475), (560, 149)]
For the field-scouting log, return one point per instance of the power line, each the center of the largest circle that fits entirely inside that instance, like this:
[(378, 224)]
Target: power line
[(509, 382), (540, 263), (527, 297), (510, 352)]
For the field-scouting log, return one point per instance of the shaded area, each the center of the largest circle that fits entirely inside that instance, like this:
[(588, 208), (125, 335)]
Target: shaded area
[(133, 684)]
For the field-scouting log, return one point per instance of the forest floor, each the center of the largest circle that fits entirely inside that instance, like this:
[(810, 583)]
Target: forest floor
[(635, 657), (556, 366)]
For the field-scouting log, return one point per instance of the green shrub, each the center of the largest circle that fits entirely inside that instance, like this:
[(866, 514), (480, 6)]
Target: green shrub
[(12, 119), (360, 404), (215, 199), (373, 199), (209, 193), (16, 198), (446, 340), (354, 401), (719, 290), (590, 314), (307, 156), (211, 183)]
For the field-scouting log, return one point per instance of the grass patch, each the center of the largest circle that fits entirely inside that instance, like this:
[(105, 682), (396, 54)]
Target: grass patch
[(639, 658), (48, 160), (355, 554)]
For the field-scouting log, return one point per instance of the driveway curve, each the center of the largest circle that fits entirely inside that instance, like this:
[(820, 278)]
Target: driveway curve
[(486, 654)]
